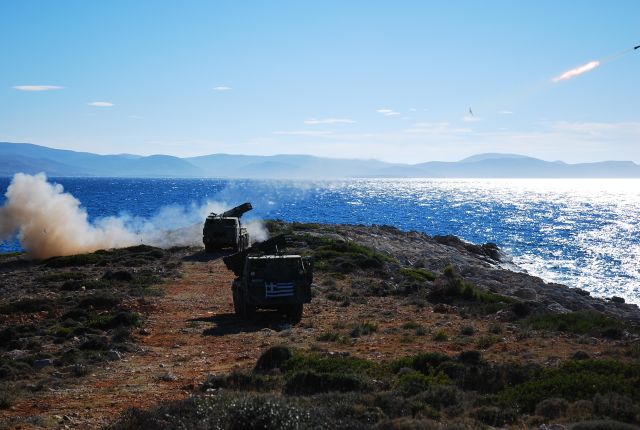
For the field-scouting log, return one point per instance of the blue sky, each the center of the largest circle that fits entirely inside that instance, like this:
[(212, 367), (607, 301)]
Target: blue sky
[(358, 79)]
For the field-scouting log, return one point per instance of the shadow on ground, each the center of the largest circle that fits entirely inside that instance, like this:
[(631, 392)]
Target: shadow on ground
[(202, 256), (231, 324)]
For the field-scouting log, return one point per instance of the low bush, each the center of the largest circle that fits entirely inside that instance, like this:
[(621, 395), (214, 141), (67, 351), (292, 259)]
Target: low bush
[(494, 416), (364, 329), (575, 380), (579, 322), (416, 274), (414, 382), (329, 336), (440, 337), (27, 306), (616, 406), (307, 382), (61, 277), (552, 408), (450, 287), (273, 358), (467, 330), (487, 341), (230, 411), (602, 425), (100, 301), (329, 364)]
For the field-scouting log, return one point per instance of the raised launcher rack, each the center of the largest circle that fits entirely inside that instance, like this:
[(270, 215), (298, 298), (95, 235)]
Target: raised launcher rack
[(236, 212)]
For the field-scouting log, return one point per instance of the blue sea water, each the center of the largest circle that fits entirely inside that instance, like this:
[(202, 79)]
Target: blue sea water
[(579, 232)]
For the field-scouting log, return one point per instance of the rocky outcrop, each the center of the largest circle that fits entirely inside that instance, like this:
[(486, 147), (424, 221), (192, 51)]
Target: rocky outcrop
[(483, 265)]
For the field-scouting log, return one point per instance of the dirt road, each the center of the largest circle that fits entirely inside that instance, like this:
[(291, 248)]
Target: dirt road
[(190, 332)]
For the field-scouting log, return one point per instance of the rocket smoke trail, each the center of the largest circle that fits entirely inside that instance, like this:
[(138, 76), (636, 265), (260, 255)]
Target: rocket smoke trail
[(577, 71)]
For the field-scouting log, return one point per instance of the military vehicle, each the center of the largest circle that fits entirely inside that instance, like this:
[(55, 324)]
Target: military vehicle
[(267, 278), (224, 230)]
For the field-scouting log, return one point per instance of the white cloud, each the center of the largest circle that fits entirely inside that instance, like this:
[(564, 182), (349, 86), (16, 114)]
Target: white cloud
[(505, 112), (37, 87), (388, 112), (101, 104), (314, 121), (222, 88), (309, 133), (470, 118)]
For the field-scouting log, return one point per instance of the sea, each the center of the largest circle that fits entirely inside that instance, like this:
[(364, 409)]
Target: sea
[(579, 232)]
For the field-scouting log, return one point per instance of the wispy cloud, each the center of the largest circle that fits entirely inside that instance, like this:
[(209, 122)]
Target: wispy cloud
[(388, 112), (101, 104), (37, 87), (314, 121), (222, 88), (576, 71), (436, 128), (505, 112), (309, 133)]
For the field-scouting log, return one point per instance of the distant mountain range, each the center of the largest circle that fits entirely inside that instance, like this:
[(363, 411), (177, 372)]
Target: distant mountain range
[(29, 158)]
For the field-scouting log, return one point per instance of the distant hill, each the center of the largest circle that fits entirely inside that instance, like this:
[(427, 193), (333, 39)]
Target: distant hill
[(29, 158)]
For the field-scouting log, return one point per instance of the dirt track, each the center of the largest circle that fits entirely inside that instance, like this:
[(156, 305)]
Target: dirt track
[(191, 331)]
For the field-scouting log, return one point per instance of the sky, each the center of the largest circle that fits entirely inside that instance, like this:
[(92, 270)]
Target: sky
[(402, 81)]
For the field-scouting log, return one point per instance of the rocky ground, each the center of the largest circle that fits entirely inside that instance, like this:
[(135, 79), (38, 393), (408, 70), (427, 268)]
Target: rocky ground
[(85, 338)]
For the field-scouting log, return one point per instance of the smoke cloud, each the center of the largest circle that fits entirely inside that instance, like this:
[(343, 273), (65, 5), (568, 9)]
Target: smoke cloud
[(50, 222), (577, 71)]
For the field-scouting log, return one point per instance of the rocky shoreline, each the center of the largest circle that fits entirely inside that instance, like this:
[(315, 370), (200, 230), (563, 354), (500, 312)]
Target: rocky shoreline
[(483, 265)]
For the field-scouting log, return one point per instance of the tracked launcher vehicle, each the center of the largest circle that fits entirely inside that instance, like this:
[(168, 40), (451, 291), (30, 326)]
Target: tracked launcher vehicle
[(225, 230), (267, 278)]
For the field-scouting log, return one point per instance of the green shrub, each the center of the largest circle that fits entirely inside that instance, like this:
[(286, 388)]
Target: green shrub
[(27, 306), (414, 382), (494, 416), (575, 380), (440, 396), (406, 423), (450, 287), (467, 330), (411, 325), (272, 358), (61, 277), (440, 337), (239, 380), (74, 260), (487, 341), (329, 336), (100, 301), (420, 275), (7, 396), (602, 425), (616, 406), (307, 382), (552, 408), (229, 411), (329, 364), (580, 322), (364, 329), (424, 363)]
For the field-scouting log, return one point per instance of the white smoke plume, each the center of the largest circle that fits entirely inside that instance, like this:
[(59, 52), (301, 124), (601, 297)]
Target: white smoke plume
[(577, 71), (50, 222)]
